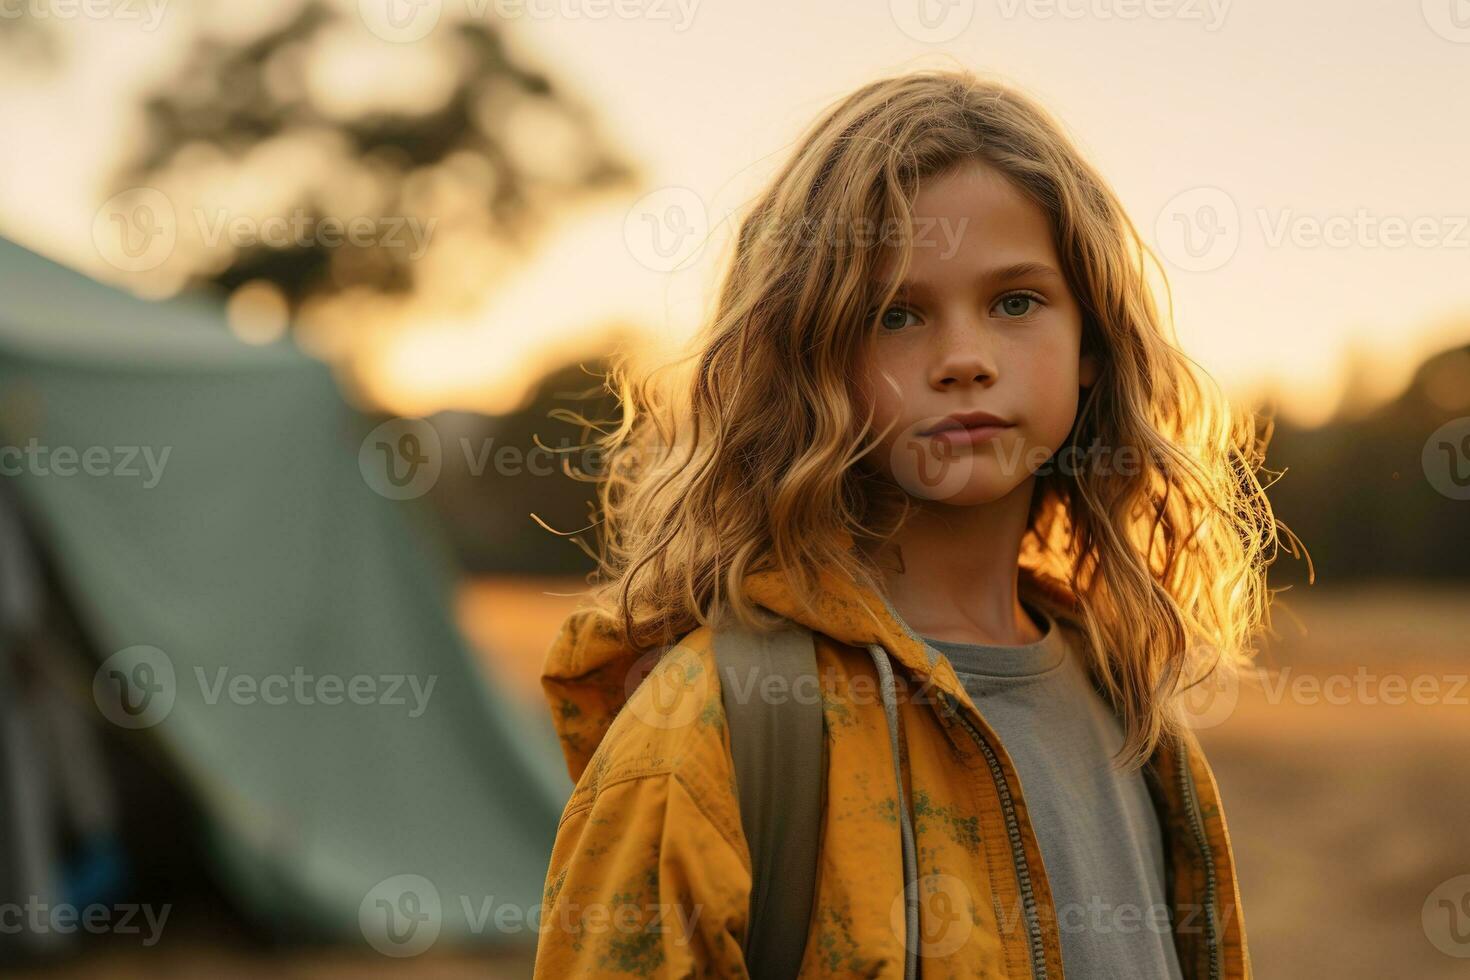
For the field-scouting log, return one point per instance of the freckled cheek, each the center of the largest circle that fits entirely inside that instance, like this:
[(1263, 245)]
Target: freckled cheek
[(1048, 410), (1044, 376), (1048, 361)]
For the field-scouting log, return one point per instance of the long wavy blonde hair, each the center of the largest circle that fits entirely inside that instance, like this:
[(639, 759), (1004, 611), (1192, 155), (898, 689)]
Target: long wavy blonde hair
[(756, 456)]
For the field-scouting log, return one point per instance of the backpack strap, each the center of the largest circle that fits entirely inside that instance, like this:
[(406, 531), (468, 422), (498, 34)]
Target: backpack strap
[(778, 745)]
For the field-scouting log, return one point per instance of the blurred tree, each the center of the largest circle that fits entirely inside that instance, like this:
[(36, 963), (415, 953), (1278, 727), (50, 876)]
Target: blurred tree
[(276, 117), (505, 476), (1357, 492)]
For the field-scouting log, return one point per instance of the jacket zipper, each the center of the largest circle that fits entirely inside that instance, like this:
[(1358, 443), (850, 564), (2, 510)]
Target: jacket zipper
[(1013, 826), (1186, 783), (1018, 850)]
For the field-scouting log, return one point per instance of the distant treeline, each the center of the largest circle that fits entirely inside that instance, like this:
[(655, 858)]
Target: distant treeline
[(1387, 494), (1369, 497)]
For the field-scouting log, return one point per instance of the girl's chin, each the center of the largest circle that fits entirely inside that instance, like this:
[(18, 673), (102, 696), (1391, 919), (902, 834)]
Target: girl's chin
[(972, 497), (977, 487)]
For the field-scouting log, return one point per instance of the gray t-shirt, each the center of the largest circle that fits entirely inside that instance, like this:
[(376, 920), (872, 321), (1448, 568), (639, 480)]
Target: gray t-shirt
[(1098, 831)]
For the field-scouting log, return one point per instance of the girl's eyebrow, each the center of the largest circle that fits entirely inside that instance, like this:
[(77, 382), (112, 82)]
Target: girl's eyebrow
[(1021, 270), (1002, 274)]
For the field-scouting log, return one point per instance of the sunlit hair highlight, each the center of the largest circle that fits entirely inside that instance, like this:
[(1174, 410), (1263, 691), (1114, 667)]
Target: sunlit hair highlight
[(751, 452)]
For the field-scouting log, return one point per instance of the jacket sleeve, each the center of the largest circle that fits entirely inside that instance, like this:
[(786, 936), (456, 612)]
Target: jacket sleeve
[(643, 883)]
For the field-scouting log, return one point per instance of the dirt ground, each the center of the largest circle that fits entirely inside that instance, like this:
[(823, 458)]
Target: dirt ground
[(1346, 783), (1345, 777)]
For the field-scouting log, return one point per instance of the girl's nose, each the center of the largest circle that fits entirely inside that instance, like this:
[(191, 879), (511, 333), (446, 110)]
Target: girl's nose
[(967, 359)]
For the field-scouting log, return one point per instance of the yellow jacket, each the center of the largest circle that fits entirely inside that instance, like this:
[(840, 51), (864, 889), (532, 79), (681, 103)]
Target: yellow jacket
[(650, 874)]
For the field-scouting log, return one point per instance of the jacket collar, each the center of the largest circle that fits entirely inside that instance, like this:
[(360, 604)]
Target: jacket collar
[(853, 614), (588, 670)]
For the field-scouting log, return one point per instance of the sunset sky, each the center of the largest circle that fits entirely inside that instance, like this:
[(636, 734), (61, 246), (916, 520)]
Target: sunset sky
[(1326, 150)]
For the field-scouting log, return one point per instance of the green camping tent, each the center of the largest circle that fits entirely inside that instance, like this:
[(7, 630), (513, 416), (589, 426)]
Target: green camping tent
[(281, 628)]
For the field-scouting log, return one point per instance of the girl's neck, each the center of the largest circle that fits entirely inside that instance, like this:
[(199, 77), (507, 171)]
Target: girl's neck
[(952, 573)]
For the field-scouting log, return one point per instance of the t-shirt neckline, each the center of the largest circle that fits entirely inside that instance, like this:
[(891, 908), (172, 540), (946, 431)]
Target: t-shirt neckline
[(997, 660)]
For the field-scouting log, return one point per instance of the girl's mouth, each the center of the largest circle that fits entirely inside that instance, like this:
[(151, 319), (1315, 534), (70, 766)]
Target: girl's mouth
[(969, 435)]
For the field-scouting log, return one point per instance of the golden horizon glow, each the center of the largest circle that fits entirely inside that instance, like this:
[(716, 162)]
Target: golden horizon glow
[(1315, 302)]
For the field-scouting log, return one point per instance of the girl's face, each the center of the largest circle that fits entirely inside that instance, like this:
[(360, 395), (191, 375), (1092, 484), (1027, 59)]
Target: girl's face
[(986, 323)]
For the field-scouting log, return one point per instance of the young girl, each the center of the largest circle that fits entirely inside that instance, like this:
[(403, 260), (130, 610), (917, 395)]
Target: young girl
[(935, 420)]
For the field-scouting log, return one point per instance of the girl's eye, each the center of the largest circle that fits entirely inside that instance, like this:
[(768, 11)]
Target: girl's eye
[(893, 318), (1017, 305)]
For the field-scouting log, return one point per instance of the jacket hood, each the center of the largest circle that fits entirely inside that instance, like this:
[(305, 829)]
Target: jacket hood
[(589, 671)]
